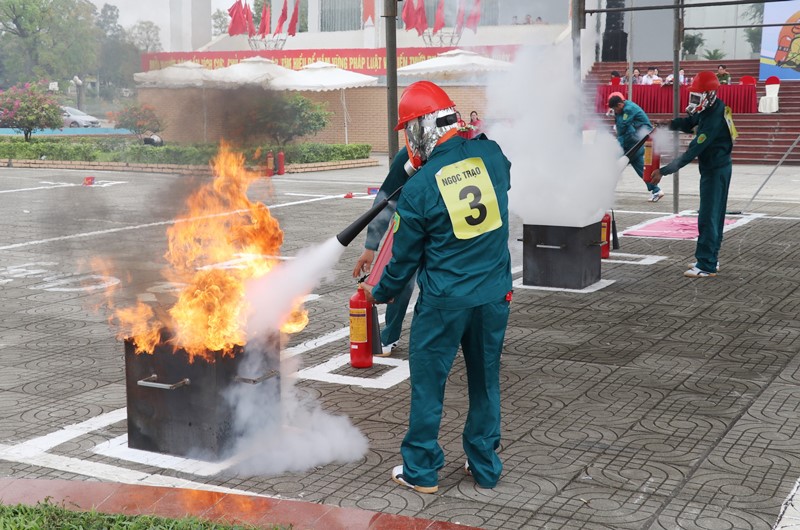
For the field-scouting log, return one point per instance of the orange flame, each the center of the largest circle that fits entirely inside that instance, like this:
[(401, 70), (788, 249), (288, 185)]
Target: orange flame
[(221, 241)]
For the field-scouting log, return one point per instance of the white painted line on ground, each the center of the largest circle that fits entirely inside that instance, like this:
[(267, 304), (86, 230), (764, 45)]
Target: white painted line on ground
[(304, 195), (324, 372), (52, 185), (589, 289), (636, 259), (150, 225), (789, 516), (118, 448)]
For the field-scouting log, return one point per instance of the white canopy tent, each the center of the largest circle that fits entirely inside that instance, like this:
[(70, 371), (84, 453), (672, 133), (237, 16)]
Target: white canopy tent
[(321, 76), (181, 75), (454, 64), (250, 71)]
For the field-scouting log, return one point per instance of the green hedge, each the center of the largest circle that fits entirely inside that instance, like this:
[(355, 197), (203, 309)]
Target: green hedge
[(116, 149)]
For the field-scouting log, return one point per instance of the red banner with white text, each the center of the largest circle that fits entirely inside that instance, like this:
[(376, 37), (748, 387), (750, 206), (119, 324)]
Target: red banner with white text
[(370, 61)]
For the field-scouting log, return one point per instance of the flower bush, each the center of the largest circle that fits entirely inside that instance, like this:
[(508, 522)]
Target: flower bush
[(28, 108), (141, 120)]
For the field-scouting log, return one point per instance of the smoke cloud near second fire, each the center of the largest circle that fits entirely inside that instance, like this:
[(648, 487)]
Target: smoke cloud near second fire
[(538, 116)]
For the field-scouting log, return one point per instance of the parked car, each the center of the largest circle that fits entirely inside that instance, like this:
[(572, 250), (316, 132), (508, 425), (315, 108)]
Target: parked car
[(76, 118)]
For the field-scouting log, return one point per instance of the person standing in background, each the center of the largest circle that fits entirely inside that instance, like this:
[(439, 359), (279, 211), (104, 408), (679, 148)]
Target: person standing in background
[(632, 124), (712, 146), (475, 123)]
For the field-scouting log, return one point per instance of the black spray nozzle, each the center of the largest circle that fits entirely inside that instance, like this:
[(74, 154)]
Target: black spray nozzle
[(633, 150), (347, 235)]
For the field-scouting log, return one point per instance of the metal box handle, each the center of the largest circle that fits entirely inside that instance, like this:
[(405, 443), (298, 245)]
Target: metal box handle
[(556, 247), (257, 380), (151, 382)]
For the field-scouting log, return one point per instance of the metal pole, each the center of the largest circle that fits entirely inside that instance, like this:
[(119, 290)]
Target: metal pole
[(390, 16), (630, 54), (576, 43), (677, 39), (667, 6)]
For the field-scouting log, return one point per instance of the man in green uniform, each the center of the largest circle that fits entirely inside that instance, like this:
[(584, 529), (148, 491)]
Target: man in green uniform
[(712, 147), (451, 224), (632, 124), (399, 172)]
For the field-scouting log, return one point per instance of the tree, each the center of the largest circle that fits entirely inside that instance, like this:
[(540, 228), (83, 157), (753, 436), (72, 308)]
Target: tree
[(220, 20), (755, 14), (141, 120), (118, 59), (47, 39), (145, 35), (286, 118), (28, 108)]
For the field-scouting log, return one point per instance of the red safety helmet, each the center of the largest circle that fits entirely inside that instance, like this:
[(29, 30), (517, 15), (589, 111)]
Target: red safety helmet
[(705, 81), (419, 99)]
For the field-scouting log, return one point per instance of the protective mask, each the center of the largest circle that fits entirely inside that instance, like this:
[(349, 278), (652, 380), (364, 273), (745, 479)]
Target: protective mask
[(423, 133), (700, 101)]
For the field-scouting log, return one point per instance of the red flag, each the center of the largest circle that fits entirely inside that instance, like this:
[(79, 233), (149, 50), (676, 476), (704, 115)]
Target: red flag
[(367, 11), (282, 18), (409, 15), (460, 16), (263, 27), (293, 20), (421, 18), (238, 24), (248, 17), (474, 16), (438, 22)]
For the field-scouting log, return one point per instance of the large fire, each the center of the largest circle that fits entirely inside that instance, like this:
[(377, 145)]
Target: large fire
[(222, 241)]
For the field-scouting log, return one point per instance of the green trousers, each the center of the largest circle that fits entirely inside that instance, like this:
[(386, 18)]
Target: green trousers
[(714, 185), (435, 337)]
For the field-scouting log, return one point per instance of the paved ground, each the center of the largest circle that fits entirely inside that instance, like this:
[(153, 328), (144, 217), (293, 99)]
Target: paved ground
[(655, 402)]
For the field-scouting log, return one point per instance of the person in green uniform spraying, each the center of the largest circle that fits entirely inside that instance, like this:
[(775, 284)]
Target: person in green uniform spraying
[(712, 146), (451, 227), (400, 170)]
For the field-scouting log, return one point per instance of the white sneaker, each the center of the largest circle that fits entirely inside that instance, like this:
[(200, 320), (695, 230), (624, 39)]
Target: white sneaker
[(387, 350), (399, 478), (656, 196), (695, 265), (694, 272)]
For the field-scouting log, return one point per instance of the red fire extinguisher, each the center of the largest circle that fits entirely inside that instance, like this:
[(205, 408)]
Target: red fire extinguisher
[(281, 160), (605, 236), (270, 169), (652, 160), (360, 330)]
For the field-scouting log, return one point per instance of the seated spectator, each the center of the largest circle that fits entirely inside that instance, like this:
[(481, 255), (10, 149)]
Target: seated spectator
[(528, 19), (671, 78), (723, 75), (616, 79), (538, 20), (656, 78), (637, 77), (514, 20), (647, 79)]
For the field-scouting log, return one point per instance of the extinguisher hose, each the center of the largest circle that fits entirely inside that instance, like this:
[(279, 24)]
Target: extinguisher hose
[(347, 235)]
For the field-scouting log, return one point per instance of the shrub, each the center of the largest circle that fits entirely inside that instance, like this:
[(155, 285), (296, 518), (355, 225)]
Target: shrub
[(141, 120), (285, 118), (28, 108)]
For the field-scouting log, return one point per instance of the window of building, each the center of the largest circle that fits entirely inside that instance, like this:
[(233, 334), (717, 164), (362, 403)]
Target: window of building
[(340, 15)]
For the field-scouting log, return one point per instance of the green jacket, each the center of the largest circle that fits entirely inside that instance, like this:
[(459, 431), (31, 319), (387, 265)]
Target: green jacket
[(631, 125), (452, 225), (712, 144), (396, 177)]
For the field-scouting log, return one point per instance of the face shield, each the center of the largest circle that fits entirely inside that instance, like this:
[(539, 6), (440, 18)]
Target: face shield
[(423, 133), (700, 101)]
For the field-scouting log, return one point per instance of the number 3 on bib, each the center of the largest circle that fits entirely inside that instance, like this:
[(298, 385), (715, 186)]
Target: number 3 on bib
[(469, 198)]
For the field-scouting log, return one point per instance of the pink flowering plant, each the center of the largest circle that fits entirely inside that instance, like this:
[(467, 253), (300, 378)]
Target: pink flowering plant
[(141, 120), (28, 108)]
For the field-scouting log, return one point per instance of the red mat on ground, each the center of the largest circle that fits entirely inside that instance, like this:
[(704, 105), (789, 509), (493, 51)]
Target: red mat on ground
[(677, 227)]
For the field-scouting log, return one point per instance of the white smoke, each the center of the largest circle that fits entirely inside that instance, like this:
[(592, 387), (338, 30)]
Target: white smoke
[(280, 430), (538, 114)]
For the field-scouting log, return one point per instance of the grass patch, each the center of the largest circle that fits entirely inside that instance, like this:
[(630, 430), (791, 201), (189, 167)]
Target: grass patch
[(48, 516)]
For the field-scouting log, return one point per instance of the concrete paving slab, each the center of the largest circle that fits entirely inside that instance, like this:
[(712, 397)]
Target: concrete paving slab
[(655, 402)]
